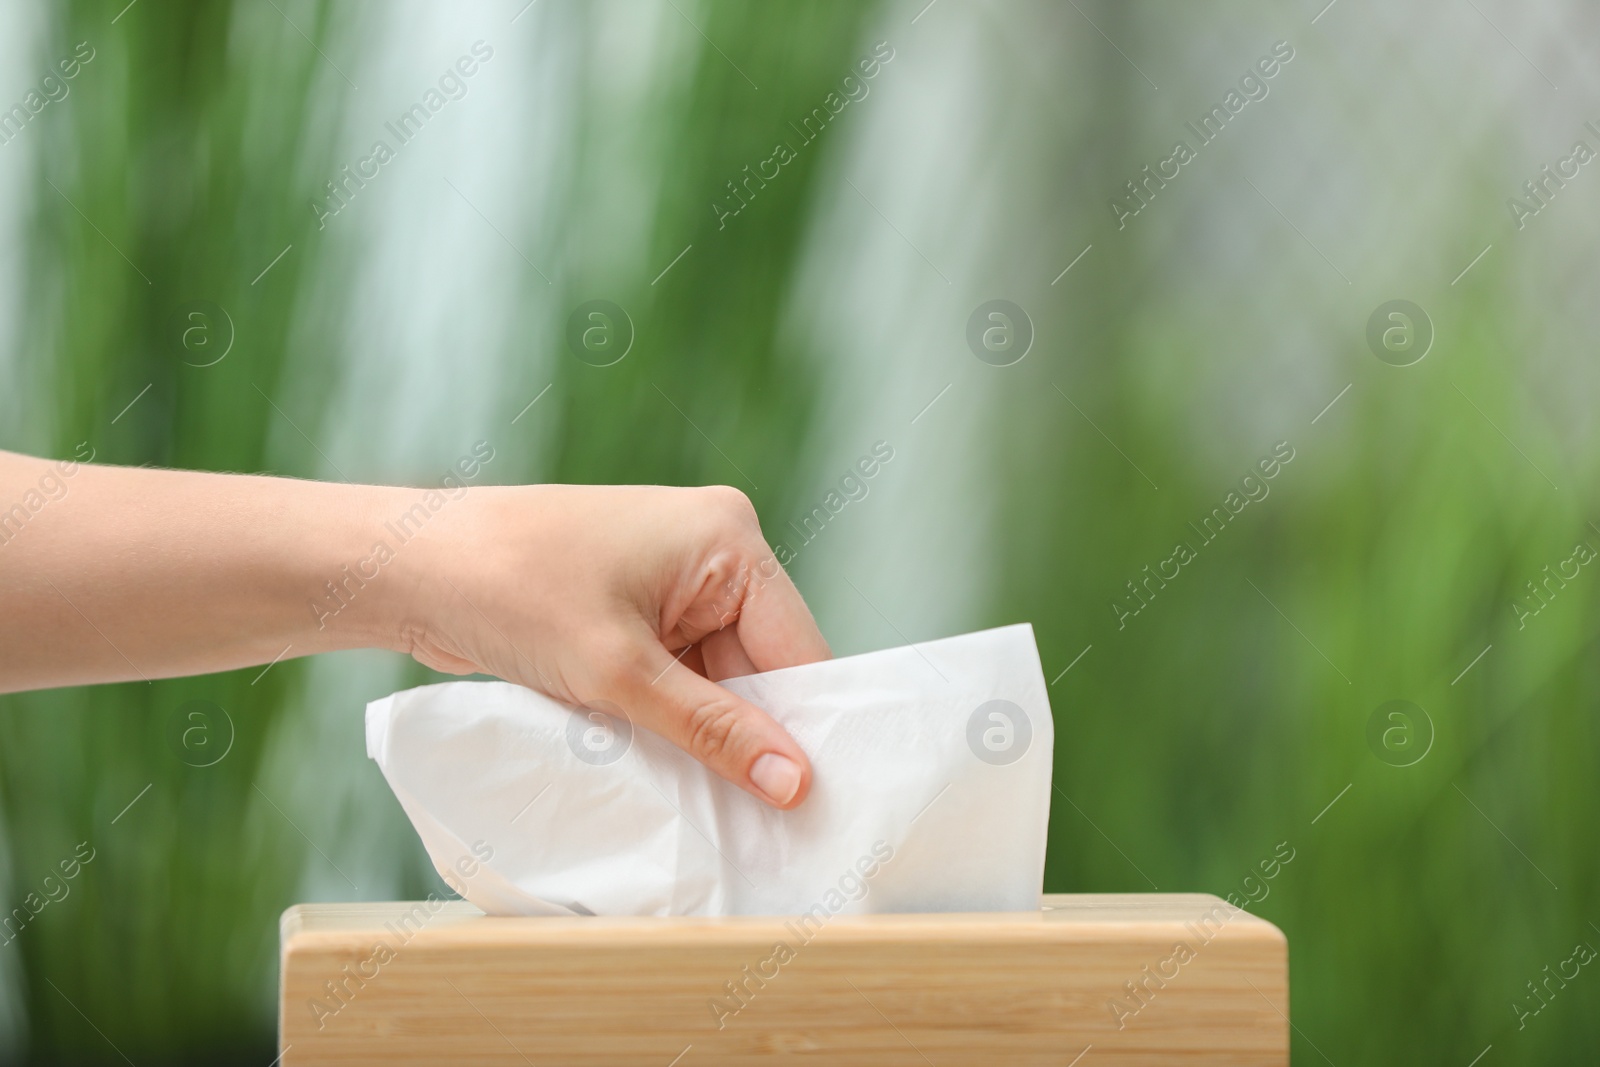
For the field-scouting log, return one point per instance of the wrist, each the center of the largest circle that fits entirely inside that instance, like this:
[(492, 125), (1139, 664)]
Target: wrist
[(358, 592), (416, 547)]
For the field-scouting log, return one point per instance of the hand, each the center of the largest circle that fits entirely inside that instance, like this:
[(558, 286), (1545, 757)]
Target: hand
[(640, 596)]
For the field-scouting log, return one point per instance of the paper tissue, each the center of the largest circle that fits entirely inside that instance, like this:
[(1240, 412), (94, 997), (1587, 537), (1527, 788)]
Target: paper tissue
[(931, 792)]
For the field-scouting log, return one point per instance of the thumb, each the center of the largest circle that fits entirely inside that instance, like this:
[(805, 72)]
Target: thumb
[(728, 734)]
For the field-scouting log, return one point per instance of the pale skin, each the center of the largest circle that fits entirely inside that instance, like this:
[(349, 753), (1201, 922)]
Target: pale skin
[(641, 597)]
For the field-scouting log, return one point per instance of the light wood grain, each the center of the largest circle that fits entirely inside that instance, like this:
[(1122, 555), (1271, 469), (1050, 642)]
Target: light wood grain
[(450, 985)]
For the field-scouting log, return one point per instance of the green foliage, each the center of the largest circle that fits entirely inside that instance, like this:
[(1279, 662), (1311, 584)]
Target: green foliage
[(1229, 715)]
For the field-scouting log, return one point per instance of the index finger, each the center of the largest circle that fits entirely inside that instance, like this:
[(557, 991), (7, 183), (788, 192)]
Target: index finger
[(775, 627)]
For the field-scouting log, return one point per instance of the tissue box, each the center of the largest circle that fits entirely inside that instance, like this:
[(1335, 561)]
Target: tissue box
[(1137, 979)]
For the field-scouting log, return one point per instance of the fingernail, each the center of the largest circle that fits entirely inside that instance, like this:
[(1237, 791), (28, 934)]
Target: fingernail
[(777, 776)]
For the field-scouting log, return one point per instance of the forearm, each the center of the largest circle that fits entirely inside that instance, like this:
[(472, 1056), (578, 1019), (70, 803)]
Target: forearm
[(118, 573)]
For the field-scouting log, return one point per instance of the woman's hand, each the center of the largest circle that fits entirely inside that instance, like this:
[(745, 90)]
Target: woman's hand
[(639, 597), (642, 597)]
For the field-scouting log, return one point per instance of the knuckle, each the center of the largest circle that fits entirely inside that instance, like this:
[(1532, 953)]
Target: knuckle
[(729, 575), (711, 729), (731, 503)]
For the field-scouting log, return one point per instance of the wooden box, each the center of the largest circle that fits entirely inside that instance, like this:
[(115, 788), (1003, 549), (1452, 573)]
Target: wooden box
[(1100, 980)]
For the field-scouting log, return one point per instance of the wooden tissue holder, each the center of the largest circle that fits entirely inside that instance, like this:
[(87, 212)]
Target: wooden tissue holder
[(1101, 980)]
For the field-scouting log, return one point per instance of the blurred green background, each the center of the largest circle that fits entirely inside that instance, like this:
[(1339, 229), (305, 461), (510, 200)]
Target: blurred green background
[(1441, 859)]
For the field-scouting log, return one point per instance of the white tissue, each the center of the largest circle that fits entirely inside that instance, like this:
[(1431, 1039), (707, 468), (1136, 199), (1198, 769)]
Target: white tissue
[(925, 795)]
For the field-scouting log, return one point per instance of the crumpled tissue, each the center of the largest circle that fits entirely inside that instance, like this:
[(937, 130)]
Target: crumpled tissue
[(930, 792)]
